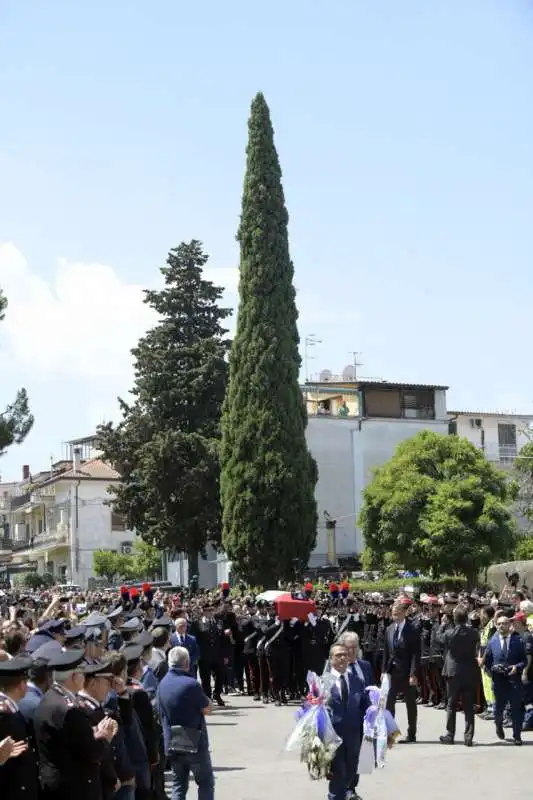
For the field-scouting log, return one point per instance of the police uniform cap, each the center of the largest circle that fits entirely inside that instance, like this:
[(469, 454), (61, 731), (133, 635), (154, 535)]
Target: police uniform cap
[(56, 625), (117, 612), (163, 622), (15, 667), (130, 625), (136, 613), (94, 620), (132, 652), (65, 660), (48, 650), (78, 632), (100, 668), (144, 639)]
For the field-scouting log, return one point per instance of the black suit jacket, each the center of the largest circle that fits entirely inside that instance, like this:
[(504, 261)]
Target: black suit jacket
[(461, 646), (402, 660)]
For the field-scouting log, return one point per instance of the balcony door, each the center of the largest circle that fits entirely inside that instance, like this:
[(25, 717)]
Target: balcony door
[(507, 442)]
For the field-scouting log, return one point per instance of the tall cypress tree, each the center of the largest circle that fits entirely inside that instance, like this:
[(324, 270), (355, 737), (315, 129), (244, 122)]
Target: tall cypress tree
[(267, 473)]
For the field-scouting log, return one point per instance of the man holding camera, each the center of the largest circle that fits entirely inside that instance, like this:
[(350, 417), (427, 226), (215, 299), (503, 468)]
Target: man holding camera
[(505, 659)]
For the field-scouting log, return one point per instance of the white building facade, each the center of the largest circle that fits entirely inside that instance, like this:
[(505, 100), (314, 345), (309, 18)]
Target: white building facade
[(56, 520), (353, 428), (500, 436)]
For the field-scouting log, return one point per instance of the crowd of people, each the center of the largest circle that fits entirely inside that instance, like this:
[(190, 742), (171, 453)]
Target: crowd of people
[(100, 692)]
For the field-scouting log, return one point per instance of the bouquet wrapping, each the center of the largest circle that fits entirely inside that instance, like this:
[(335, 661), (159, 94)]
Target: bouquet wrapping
[(380, 729), (314, 734)]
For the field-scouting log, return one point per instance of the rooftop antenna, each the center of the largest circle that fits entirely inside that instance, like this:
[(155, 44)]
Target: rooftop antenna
[(356, 363)]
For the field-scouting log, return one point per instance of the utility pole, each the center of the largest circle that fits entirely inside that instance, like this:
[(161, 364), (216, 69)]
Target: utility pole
[(356, 363), (309, 341)]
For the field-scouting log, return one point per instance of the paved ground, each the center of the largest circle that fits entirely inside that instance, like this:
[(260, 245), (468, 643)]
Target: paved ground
[(247, 742)]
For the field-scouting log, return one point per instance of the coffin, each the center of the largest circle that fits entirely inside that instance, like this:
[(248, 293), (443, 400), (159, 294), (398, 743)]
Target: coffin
[(288, 608)]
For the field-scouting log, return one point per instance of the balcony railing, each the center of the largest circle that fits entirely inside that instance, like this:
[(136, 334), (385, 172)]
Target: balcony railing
[(504, 454), (48, 538), (19, 500)]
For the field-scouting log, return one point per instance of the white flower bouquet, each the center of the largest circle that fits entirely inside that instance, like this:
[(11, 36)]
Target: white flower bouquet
[(314, 734)]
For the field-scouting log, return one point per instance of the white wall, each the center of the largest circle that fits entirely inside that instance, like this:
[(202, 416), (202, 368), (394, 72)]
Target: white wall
[(178, 570), (490, 428), (376, 443), (330, 441), (94, 525), (346, 451)]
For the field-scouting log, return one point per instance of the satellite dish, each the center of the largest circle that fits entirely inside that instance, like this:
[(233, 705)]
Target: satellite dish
[(348, 373), (325, 375)]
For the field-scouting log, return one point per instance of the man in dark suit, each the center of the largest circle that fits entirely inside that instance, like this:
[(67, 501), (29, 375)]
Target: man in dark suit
[(347, 706), (461, 670), (360, 674), (358, 668), (401, 660), (183, 639), (505, 659)]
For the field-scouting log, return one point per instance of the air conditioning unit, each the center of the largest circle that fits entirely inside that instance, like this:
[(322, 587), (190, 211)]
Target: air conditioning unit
[(126, 549), (476, 422)]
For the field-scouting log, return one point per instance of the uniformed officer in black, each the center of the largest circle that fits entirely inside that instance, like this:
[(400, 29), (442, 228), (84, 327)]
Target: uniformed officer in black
[(114, 639), (98, 684), (70, 751), (19, 775)]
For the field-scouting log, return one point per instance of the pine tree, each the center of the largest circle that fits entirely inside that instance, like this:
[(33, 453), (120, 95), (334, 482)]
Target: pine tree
[(16, 421), (267, 473), (166, 446)]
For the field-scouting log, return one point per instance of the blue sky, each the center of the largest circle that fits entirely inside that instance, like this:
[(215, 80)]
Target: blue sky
[(404, 131)]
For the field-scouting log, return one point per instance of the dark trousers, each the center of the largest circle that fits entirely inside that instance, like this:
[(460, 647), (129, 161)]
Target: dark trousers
[(509, 692), (253, 674), (400, 685), (208, 668), (264, 676), (466, 690)]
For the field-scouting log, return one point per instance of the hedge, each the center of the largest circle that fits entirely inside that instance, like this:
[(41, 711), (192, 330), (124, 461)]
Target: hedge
[(448, 583)]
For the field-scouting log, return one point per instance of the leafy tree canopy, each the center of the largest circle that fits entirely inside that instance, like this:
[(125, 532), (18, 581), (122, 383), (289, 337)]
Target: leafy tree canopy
[(166, 445), (268, 476), (524, 549), (523, 474), (16, 421), (440, 506)]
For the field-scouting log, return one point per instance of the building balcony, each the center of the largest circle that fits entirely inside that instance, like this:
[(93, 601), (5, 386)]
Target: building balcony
[(502, 454), (19, 500), (44, 495), (57, 537)]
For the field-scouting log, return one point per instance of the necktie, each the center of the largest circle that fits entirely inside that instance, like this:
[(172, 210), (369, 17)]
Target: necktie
[(344, 690), (396, 637), (505, 648)]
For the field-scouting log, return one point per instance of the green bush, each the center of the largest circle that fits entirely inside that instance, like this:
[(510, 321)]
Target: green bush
[(448, 583)]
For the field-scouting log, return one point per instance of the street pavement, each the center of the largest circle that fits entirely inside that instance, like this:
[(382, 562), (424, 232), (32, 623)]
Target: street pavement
[(247, 741)]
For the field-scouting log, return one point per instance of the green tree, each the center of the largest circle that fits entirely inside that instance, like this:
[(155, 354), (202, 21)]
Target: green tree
[(440, 506), (31, 580), (166, 445), (147, 559), (523, 475), (16, 421), (110, 564), (524, 549), (268, 475)]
